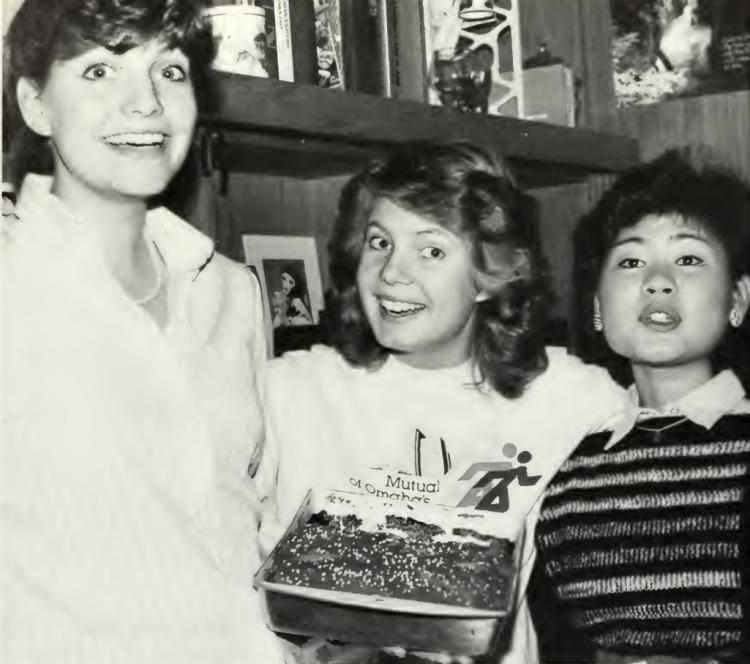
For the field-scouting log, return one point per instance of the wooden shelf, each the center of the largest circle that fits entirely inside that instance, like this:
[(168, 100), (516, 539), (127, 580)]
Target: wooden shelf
[(279, 128)]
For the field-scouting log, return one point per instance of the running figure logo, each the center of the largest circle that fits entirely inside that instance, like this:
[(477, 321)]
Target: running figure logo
[(490, 492)]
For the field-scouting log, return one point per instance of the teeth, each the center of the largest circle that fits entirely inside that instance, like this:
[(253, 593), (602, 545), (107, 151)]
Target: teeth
[(660, 317), (400, 307), (133, 138)]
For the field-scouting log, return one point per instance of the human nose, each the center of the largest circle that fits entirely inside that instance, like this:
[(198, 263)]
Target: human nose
[(396, 268), (659, 281), (142, 97)]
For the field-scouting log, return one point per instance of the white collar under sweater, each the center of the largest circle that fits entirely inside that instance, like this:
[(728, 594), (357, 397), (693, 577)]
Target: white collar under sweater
[(183, 247), (721, 395)]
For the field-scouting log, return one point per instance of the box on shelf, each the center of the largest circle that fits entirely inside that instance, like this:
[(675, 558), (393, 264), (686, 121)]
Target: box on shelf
[(550, 95), (390, 573), (295, 29)]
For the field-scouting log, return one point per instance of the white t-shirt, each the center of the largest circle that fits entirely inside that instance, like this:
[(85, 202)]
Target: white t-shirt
[(326, 421), (128, 518)]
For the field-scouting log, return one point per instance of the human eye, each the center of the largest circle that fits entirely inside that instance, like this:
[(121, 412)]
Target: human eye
[(98, 71), (432, 253), (690, 260), (630, 263), (378, 243), (175, 73)]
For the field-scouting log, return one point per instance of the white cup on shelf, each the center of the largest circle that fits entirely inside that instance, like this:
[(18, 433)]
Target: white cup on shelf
[(240, 31)]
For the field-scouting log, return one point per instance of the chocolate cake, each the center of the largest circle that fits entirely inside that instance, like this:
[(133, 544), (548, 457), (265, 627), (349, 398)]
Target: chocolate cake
[(396, 556)]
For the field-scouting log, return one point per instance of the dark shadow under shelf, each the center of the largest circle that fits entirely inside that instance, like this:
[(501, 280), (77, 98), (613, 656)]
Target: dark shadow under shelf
[(305, 131)]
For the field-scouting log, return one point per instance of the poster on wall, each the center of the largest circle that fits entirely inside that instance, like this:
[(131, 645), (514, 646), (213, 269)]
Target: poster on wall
[(666, 49)]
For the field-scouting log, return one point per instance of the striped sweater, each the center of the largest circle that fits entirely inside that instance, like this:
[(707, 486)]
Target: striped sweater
[(646, 544)]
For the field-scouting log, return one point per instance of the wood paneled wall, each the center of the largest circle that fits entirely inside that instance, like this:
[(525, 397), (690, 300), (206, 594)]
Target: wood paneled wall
[(560, 210), (720, 121)]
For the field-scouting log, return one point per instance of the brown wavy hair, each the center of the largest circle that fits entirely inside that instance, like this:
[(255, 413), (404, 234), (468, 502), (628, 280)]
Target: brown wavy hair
[(693, 183), (45, 31), (467, 191)]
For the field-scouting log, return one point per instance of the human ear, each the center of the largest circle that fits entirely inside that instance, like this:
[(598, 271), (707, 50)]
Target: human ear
[(741, 301), (32, 108)]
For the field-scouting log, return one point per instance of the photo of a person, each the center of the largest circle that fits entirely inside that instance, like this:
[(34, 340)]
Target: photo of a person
[(289, 297)]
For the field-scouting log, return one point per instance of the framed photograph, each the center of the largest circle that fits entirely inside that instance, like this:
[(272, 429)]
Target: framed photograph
[(666, 49), (289, 275)]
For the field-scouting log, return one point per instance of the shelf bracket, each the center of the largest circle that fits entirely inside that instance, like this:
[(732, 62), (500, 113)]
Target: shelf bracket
[(211, 145)]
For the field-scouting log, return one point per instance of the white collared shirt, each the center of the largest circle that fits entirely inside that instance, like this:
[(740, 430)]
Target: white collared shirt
[(721, 395), (128, 518)]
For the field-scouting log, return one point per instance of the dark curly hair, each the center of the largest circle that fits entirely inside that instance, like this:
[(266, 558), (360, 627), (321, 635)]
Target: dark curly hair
[(300, 283), (465, 190), (45, 31), (689, 182), (299, 290)]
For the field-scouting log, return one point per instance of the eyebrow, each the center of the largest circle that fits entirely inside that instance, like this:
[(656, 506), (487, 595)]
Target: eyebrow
[(692, 236), (427, 231), (627, 240), (434, 231), (636, 239), (374, 225)]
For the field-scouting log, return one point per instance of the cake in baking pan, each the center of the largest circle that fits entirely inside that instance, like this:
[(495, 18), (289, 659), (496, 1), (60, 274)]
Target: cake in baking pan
[(356, 544)]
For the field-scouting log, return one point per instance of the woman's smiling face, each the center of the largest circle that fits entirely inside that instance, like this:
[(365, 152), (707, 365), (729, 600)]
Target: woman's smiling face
[(416, 284), (120, 121), (665, 293)]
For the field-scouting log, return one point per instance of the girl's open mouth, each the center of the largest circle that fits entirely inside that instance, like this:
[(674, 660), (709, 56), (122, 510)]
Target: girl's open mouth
[(661, 319), (146, 139), (399, 308)]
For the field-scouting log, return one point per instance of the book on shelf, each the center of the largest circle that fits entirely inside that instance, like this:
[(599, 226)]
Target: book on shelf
[(329, 57), (293, 33), (301, 35), (403, 51), (277, 43), (294, 22), (362, 64), (372, 46)]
